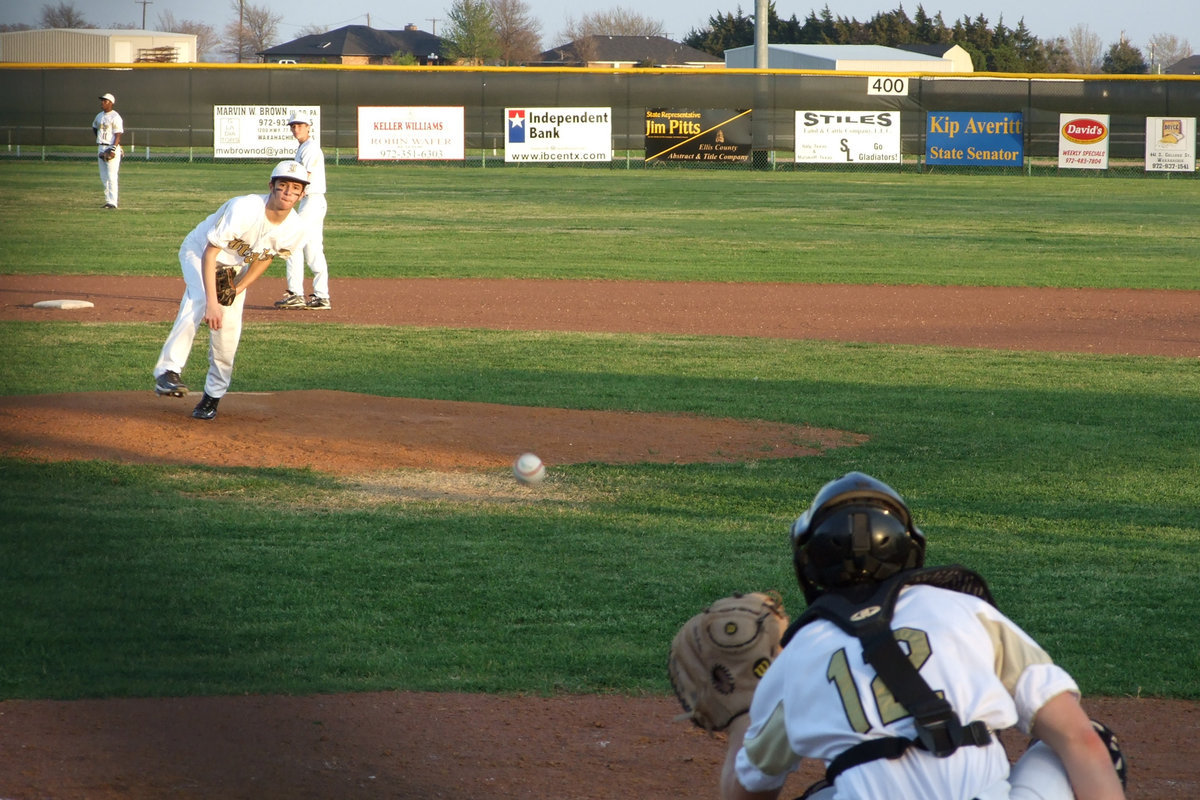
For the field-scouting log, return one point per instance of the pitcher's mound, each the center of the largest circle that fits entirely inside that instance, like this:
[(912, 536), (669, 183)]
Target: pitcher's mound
[(346, 433)]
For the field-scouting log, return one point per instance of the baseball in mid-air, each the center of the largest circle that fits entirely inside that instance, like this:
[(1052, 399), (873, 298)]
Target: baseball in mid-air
[(529, 469)]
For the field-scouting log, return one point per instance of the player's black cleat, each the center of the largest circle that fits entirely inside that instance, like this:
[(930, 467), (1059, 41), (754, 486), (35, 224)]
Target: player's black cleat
[(1114, 749), (206, 408), (169, 383), (291, 300)]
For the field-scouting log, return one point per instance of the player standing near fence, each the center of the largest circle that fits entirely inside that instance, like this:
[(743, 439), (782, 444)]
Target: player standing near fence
[(108, 127), (312, 213)]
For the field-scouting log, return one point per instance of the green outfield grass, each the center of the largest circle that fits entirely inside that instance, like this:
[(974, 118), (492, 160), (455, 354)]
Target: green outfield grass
[(389, 221), (1068, 480)]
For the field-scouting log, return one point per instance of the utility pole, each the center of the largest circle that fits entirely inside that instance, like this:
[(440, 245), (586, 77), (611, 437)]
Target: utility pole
[(144, 4), (241, 28), (435, 22)]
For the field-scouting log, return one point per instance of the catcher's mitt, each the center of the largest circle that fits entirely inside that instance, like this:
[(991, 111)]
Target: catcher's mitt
[(719, 655), (109, 154), (226, 290)]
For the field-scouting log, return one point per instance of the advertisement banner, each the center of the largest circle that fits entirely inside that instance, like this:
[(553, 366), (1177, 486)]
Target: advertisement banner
[(1170, 144), (975, 139), (411, 133), (258, 131), (548, 135), (690, 136), (1083, 141), (848, 137)]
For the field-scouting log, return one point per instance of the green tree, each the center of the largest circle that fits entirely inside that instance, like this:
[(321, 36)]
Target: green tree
[(995, 49), (471, 38), (1124, 59), (930, 30), (724, 32), (1059, 58)]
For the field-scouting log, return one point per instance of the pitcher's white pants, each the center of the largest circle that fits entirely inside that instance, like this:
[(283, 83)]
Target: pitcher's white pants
[(311, 209), (222, 344), (109, 171)]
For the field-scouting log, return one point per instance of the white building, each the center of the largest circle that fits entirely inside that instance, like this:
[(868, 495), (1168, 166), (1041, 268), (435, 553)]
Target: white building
[(871, 58), (96, 46)]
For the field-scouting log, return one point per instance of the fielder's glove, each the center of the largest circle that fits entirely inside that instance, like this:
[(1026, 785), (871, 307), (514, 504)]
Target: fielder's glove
[(109, 154), (719, 655), (226, 290)]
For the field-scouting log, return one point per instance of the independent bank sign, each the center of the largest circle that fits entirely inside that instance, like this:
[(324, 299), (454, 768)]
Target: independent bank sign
[(550, 135), (975, 139)]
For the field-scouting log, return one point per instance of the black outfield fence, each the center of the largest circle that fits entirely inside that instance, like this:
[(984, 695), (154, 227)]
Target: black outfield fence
[(46, 109)]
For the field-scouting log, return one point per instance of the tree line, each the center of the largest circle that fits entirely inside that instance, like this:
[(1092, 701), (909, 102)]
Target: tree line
[(505, 32), (993, 48)]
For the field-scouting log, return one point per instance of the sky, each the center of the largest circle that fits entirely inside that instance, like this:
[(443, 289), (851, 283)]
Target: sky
[(1110, 19)]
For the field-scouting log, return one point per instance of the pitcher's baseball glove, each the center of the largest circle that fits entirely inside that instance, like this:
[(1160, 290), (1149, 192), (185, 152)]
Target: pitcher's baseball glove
[(109, 154), (226, 290), (719, 655)]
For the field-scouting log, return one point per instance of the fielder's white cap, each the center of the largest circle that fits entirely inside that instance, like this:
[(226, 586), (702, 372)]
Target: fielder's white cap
[(108, 97), (298, 117), (292, 170)]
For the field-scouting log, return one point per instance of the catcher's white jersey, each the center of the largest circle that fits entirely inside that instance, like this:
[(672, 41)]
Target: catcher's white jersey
[(243, 233), (820, 698)]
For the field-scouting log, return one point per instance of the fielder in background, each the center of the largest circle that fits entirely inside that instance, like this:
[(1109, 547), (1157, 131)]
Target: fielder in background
[(898, 677), (108, 127), (245, 233), (312, 212)]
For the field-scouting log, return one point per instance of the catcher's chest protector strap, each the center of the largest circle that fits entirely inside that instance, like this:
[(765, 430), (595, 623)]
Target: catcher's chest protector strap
[(939, 729)]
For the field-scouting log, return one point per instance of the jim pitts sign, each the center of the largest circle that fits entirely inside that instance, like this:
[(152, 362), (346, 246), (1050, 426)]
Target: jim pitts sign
[(698, 136), (975, 139)]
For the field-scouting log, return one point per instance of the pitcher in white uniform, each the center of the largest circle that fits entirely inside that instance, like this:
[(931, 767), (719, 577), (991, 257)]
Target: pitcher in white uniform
[(883, 635), (246, 233), (312, 211), (108, 127)]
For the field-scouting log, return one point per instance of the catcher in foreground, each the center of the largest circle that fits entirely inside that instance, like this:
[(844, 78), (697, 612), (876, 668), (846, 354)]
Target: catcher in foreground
[(896, 676)]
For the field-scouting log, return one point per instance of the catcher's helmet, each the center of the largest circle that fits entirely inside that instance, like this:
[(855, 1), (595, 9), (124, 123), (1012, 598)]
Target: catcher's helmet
[(858, 530)]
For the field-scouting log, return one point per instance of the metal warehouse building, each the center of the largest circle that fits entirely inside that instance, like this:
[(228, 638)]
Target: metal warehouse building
[(96, 46)]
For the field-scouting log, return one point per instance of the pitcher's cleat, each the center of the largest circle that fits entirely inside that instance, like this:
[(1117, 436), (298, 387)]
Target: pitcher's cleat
[(170, 384), (206, 408)]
